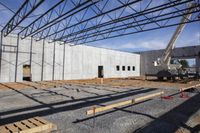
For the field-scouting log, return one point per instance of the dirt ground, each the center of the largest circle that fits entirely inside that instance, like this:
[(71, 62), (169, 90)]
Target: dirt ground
[(113, 82), (137, 81), (65, 103)]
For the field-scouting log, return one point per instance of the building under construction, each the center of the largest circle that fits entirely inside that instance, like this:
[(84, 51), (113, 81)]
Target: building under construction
[(54, 79)]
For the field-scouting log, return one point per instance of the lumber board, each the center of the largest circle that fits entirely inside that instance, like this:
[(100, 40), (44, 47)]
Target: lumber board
[(41, 120), (53, 126), (12, 128), (21, 126), (100, 109), (143, 98), (193, 86), (37, 129), (95, 110), (4, 130), (32, 120), (32, 125)]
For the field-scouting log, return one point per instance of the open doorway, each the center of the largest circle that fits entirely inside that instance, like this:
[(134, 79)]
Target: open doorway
[(26, 72), (100, 72)]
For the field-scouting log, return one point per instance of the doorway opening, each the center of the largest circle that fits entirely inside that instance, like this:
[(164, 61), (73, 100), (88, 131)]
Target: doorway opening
[(26, 72), (100, 72)]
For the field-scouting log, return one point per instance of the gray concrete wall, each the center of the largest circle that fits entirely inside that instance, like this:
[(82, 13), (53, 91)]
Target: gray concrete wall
[(147, 57), (81, 61)]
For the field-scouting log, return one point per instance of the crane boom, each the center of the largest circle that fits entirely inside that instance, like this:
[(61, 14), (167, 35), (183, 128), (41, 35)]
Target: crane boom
[(168, 51), (164, 66), (165, 59)]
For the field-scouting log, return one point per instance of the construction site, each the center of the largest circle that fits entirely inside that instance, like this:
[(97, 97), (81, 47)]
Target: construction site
[(96, 66)]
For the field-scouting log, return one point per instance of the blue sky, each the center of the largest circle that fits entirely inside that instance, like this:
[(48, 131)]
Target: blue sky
[(151, 40), (156, 39)]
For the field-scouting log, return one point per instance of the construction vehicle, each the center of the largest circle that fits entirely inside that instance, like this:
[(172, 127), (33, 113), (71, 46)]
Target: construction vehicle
[(167, 68)]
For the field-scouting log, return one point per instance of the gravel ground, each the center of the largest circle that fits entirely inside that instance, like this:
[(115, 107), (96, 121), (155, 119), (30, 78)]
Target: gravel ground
[(66, 107)]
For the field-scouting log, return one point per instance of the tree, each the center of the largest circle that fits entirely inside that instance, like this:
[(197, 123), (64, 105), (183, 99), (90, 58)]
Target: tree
[(184, 63)]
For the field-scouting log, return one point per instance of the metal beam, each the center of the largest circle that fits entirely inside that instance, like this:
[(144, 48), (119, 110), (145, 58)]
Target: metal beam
[(135, 15), (85, 21), (1, 53), (63, 75), (31, 56), (55, 26), (16, 60), (132, 25), (129, 33), (23, 12), (54, 47), (42, 71), (40, 25), (40, 20), (1, 3)]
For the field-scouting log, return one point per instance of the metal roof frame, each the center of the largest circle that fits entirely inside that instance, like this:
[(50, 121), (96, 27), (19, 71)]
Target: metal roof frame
[(85, 22), (23, 12)]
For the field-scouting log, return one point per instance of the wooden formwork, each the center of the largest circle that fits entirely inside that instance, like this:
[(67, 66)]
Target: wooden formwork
[(95, 110), (32, 125), (193, 86), (182, 93)]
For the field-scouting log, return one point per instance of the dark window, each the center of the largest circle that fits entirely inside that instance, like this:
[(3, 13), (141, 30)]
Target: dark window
[(129, 68), (100, 72), (117, 68), (133, 68), (123, 68)]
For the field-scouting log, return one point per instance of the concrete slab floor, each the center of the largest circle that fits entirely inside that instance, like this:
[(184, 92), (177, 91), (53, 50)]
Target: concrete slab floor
[(66, 107)]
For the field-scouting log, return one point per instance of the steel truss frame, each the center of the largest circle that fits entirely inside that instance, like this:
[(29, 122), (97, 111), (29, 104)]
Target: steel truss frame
[(84, 21), (23, 12)]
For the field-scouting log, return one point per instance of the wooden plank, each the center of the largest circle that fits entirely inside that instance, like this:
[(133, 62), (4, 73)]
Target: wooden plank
[(12, 128), (193, 86), (150, 96), (35, 122), (100, 109), (21, 126), (41, 120), (132, 101), (30, 125), (37, 129), (4, 130), (53, 126)]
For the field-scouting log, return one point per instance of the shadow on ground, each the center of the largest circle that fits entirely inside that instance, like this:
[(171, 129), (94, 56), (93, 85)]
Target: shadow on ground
[(44, 109), (171, 121)]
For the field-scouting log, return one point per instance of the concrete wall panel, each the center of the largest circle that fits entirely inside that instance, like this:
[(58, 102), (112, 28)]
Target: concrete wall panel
[(81, 61), (147, 57)]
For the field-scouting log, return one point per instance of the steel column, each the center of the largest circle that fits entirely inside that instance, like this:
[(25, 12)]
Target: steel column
[(31, 52), (1, 53), (54, 46), (42, 72), (63, 75), (17, 56)]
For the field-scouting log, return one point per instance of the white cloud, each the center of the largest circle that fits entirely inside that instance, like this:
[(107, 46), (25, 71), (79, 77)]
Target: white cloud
[(142, 44), (189, 40), (197, 35)]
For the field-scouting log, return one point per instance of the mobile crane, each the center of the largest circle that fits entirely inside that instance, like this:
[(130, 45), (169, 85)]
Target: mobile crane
[(163, 64)]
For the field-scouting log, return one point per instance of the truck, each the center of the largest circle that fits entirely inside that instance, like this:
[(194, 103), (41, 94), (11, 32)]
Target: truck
[(166, 67)]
